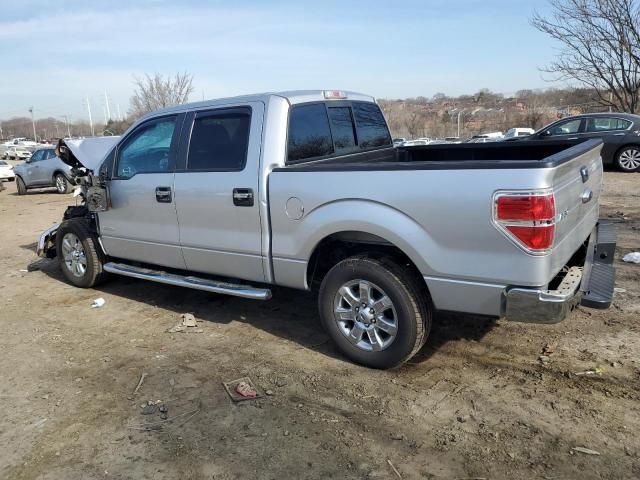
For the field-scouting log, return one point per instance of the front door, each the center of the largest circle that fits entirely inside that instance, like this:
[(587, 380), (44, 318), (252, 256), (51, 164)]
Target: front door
[(141, 223), (34, 169), (217, 191)]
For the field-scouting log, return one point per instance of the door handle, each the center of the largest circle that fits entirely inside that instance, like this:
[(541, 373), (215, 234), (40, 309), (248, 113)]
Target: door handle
[(587, 195), (163, 194), (572, 138), (619, 134), (243, 197)]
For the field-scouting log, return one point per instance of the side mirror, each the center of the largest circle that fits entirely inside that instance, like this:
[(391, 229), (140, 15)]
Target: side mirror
[(546, 133)]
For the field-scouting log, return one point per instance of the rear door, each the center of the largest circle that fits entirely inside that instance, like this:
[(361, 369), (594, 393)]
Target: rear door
[(141, 223), (613, 132), (216, 191)]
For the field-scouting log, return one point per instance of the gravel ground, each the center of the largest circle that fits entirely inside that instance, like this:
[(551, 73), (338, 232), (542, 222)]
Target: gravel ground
[(475, 403)]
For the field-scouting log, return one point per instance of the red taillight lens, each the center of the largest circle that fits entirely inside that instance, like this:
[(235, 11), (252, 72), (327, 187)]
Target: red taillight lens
[(529, 207), (534, 238), (529, 219)]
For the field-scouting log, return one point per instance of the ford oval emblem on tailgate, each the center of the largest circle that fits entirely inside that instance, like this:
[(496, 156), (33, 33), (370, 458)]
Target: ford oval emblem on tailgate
[(584, 173)]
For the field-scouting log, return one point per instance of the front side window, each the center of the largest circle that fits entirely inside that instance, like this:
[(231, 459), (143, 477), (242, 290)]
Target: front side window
[(564, 128), (37, 155), (148, 149), (603, 124), (309, 133), (219, 140), (371, 127)]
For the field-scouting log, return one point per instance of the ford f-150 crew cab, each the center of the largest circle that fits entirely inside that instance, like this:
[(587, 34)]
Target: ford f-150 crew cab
[(305, 190)]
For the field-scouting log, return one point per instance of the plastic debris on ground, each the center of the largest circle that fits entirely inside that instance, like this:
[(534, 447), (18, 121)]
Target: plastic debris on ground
[(633, 257), (587, 451), (595, 371), (241, 389), (188, 324), (98, 302)]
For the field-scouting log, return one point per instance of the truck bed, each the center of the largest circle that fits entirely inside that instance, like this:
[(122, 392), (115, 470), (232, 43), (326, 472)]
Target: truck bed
[(460, 156), (435, 204)]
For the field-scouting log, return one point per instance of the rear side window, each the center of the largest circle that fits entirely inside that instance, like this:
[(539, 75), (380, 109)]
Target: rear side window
[(603, 124), (219, 140), (309, 133), (371, 127)]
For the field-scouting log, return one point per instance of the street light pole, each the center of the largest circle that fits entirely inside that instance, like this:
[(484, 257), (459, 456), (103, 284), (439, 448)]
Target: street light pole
[(66, 119), (90, 119), (33, 123)]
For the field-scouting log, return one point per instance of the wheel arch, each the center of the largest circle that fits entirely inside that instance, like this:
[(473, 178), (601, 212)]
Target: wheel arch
[(338, 246)]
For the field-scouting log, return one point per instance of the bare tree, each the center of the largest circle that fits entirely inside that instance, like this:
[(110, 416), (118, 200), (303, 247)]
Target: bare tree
[(154, 92), (600, 47)]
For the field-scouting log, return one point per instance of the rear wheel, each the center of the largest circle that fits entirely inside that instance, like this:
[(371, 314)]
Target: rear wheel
[(22, 188), (79, 255), (377, 312), (61, 183), (628, 159)]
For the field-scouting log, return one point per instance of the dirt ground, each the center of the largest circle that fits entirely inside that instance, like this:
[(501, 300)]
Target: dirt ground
[(475, 403)]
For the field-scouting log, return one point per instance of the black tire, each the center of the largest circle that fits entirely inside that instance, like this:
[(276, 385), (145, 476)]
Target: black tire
[(61, 183), (411, 303), (628, 158), (21, 187), (92, 254)]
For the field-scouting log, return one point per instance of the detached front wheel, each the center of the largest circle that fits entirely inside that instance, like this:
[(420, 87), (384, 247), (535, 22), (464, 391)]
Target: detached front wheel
[(377, 312), (79, 254)]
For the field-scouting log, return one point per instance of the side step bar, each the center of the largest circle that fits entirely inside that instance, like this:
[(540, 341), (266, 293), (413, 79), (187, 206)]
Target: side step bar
[(244, 291)]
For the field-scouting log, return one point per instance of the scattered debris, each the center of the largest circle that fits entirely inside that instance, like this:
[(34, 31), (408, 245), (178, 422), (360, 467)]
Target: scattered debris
[(619, 290), (24, 270), (616, 364), (159, 424), (269, 392), (188, 324), (164, 408), (595, 371), (286, 433), (241, 389), (149, 409), (544, 358), (142, 377), (587, 451), (633, 257), (397, 436), (549, 349), (98, 302), (394, 468)]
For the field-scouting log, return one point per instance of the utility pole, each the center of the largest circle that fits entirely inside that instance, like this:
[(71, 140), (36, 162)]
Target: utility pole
[(106, 101), (66, 119), (459, 113), (55, 123), (33, 123), (119, 114), (90, 119)]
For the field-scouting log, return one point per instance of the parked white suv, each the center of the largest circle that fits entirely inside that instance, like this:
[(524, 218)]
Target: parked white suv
[(16, 152)]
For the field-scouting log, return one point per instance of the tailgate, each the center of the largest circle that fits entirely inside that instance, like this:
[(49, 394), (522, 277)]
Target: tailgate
[(577, 185)]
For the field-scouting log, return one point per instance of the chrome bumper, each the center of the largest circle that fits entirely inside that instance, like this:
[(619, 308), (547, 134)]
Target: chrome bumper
[(590, 285), (545, 306), (46, 242)]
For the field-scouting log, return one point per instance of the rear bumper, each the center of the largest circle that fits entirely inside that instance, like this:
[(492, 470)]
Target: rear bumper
[(590, 285)]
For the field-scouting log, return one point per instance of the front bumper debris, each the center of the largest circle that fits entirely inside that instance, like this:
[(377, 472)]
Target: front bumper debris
[(590, 285), (47, 242)]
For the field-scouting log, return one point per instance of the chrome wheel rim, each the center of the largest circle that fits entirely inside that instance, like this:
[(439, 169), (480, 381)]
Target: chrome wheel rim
[(73, 253), (365, 315), (630, 159), (60, 184)]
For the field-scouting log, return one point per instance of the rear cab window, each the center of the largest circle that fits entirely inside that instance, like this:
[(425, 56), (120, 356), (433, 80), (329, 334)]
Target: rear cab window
[(330, 129)]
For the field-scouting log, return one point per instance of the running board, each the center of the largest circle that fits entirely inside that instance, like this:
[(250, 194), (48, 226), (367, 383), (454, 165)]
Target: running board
[(197, 283)]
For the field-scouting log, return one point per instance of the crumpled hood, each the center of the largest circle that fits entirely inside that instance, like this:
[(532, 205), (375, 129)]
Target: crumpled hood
[(85, 152)]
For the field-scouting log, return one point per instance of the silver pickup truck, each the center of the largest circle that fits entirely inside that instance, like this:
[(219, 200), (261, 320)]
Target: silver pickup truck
[(305, 190)]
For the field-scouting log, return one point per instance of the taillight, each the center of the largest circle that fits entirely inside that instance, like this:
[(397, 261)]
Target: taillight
[(527, 218)]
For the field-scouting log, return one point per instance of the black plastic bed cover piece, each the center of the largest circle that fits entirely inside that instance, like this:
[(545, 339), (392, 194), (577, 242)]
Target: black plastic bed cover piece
[(498, 155)]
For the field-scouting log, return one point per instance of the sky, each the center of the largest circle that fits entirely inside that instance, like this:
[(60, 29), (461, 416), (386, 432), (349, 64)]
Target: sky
[(57, 53)]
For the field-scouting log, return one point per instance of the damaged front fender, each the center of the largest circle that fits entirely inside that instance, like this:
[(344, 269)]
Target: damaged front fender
[(47, 242)]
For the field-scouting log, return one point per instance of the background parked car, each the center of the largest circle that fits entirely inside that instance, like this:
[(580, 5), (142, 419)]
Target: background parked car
[(6, 172), (519, 132), (43, 169), (15, 152), (620, 133)]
